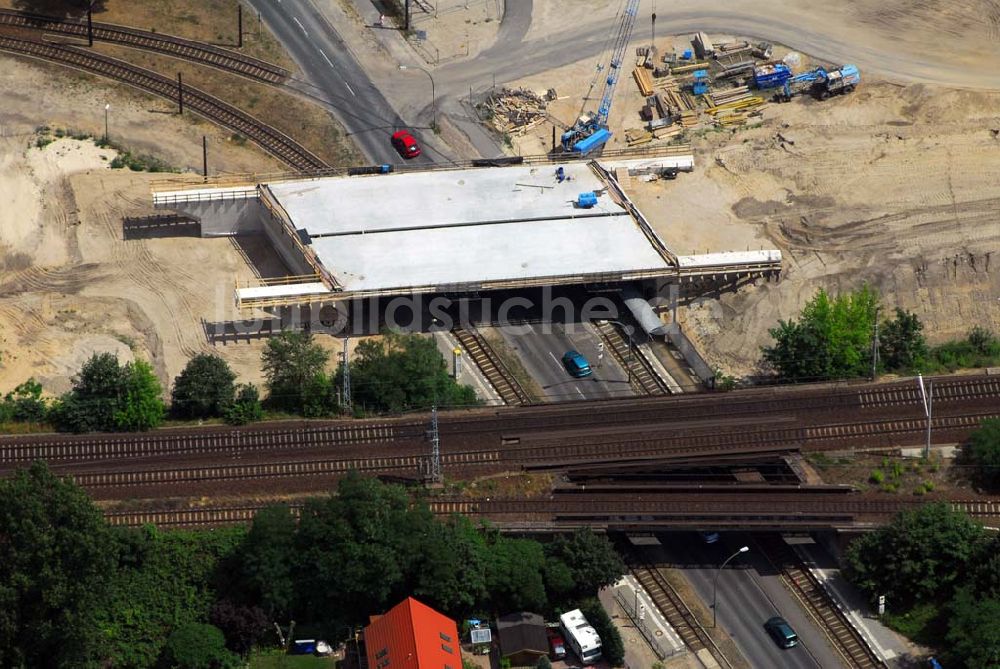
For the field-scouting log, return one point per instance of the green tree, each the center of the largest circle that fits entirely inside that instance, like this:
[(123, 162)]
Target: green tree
[(514, 577), (55, 560), (246, 407), (543, 663), (902, 343), (403, 371), (832, 338), (592, 560), (292, 363), (984, 453), (974, 631), (612, 647), (449, 570), (204, 389), (265, 561), (24, 404), (197, 646), (922, 555), (141, 400), (92, 403), (163, 579), (353, 551)]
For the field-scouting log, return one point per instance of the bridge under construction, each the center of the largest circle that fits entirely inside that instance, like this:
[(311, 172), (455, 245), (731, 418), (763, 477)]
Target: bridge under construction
[(455, 230)]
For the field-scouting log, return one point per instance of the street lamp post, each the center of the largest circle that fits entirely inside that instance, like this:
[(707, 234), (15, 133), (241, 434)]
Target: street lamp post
[(628, 331), (433, 94), (107, 107), (715, 583)]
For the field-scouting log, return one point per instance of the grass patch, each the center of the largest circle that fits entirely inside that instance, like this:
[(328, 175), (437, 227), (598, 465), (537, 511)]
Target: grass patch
[(924, 623), (279, 660)]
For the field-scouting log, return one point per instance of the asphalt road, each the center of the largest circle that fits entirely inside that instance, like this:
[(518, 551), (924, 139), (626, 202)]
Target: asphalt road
[(750, 592), (334, 76), (511, 58), (540, 347)]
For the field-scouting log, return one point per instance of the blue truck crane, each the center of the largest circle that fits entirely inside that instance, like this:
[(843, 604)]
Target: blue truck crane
[(591, 130)]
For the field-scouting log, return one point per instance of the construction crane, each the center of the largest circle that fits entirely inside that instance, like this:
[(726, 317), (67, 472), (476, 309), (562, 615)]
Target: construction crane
[(591, 130)]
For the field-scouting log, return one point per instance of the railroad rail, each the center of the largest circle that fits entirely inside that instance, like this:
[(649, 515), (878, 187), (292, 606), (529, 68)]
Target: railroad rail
[(170, 45), (645, 380), (681, 618), (846, 639), (482, 354), (270, 139), (680, 511)]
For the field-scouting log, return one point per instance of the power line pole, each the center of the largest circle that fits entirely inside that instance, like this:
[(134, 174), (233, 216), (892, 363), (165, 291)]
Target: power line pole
[(347, 377), (432, 471), (875, 347)]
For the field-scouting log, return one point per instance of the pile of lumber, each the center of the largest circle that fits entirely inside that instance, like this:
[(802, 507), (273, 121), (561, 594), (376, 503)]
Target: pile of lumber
[(722, 97), (515, 111), (635, 137), (749, 102), (672, 100), (644, 79)]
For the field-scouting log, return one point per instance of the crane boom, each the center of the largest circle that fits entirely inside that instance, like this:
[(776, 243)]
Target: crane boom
[(617, 53), (591, 130)]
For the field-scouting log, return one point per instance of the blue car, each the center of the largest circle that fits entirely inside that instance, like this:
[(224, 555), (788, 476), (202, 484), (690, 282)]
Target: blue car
[(576, 364)]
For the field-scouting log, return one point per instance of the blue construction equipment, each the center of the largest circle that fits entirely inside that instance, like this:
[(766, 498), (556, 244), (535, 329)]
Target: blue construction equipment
[(591, 129), (771, 75), (586, 200), (700, 85), (821, 82)]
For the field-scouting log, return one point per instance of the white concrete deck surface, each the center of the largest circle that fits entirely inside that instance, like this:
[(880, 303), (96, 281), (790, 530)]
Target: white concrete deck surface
[(484, 253), (362, 204)]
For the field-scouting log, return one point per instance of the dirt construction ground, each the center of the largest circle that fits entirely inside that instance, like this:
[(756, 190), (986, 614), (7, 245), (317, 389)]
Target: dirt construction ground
[(897, 185)]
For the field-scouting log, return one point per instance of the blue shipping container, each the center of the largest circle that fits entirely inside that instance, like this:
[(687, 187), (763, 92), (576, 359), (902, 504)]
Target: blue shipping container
[(771, 76), (587, 145)]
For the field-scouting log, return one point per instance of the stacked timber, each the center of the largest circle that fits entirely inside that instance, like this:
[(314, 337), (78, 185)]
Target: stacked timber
[(717, 98), (515, 111), (635, 137), (644, 79)]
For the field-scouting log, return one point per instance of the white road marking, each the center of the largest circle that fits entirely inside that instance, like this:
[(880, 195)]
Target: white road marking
[(301, 27), (580, 392), (350, 89), (555, 359), (326, 58)]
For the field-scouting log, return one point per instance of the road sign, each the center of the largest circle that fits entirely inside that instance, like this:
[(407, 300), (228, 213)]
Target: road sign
[(881, 604)]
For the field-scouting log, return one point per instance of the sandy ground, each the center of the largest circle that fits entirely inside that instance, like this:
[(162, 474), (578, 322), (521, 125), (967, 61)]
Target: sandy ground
[(455, 29), (70, 286), (893, 185)]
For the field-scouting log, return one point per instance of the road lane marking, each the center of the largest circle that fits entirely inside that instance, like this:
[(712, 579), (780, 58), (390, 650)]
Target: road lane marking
[(555, 359), (326, 58), (349, 88), (580, 392), (301, 27)]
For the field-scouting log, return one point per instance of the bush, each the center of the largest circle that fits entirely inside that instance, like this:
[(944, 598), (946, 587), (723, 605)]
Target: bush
[(877, 477), (197, 646), (612, 647), (204, 388), (984, 453), (246, 407)]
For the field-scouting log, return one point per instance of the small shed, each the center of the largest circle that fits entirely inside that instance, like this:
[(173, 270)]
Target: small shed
[(523, 638)]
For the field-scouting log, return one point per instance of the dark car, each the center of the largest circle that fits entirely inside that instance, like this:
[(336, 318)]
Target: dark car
[(556, 644), (576, 364), (405, 145), (781, 632)]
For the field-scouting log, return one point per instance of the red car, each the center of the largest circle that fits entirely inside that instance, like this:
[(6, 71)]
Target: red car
[(557, 644), (404, 143)]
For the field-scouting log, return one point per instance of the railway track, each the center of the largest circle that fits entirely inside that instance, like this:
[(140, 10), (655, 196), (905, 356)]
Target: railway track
[(482, 354), (846, 639), (677, 613), (681, 511), (645, 380), (58, 449), (270, 139), (170, 45)]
